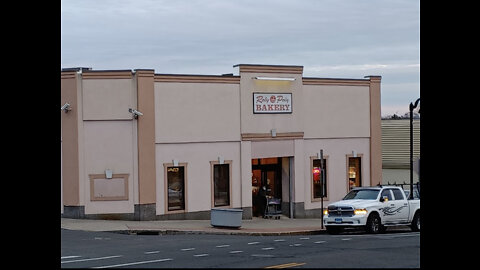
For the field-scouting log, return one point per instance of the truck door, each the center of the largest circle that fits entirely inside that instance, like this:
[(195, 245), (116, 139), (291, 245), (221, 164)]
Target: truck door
[(401, 205), (388, 209)]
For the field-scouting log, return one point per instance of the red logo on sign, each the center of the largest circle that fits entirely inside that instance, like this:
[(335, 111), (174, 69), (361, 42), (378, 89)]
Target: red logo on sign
[(273, 99)]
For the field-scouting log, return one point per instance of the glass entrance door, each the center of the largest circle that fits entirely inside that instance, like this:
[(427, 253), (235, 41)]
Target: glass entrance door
[(266, 181)]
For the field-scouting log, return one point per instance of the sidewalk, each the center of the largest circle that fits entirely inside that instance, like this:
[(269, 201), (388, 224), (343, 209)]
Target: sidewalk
[(255, 226)]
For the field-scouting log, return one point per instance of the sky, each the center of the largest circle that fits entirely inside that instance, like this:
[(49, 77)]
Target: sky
[(329, 38)]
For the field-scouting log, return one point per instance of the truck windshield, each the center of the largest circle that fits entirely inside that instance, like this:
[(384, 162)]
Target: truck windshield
[(362, 194)]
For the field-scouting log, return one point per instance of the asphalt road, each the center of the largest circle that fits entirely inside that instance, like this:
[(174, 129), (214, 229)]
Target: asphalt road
[(398, 249)]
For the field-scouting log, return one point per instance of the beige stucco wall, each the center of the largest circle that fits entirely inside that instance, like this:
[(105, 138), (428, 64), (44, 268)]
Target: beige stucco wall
[(71, 149), (274, 148), (109, 138), (196, 112), (61, 174), (246, 173), (300, 174), (337, 151), (146, 136), (108, 99), (109, 145), (198, 183), (335, 111)]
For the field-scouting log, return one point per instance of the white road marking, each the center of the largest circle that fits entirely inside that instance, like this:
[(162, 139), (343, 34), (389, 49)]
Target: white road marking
[(187, 249), (253, 243), (235, 251), (221, 246), (134, 263), (268, 248), (319, 242), (201, 255), (304, 238), (279, 240), (295, 245), (152, 252), (346, 239), (93, 259), (261, 255), (69, 257)]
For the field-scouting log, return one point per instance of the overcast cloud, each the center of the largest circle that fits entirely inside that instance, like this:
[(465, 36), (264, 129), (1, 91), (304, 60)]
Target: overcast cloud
[(330, 38)]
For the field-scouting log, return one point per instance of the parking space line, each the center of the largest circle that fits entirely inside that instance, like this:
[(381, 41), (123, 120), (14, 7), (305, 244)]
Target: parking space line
[(253, 243), (93, 259), (133, 263), (201, 255), (152, 252), (69, 257), (221, 246)]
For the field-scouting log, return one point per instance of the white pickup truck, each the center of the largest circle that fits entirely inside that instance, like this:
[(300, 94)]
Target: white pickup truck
[(373, 208)]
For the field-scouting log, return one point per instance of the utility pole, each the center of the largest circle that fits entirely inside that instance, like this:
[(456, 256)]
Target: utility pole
[(322, 184), (412, 106)]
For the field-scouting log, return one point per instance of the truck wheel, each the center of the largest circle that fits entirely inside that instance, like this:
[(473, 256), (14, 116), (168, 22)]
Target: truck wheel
[(416, 222), (374, 224), (333, 229)]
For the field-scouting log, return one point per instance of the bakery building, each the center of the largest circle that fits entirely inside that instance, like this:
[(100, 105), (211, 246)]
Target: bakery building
[(141, 145)]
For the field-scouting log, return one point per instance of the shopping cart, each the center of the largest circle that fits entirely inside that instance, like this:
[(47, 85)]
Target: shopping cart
[(272, 210)]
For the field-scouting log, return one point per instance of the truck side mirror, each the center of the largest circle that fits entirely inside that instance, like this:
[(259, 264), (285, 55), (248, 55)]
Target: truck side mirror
[(384, 199)]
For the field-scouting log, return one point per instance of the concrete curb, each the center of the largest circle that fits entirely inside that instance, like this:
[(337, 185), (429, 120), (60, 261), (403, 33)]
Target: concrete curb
[(213, 232), (298, 227)]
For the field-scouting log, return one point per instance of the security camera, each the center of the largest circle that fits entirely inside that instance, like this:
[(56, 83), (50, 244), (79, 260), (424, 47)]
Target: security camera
[(66, 107), (135, 113)]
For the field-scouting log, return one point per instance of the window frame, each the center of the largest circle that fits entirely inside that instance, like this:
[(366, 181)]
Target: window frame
[(115, 177), (391, 194), (165, 192), (399, 191), (362, 171), (312, 193), (212, 184)]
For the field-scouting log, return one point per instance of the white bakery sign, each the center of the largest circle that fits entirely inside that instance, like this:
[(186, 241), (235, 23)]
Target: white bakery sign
[(272, 102)]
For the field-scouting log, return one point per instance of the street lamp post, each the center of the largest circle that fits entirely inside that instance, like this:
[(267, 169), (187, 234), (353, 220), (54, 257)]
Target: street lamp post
[(412, 106), (322, 181)]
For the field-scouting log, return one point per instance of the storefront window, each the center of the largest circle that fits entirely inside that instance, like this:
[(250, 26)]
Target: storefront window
[(221, 184), (317, 178), (354, 172), (176, 188)]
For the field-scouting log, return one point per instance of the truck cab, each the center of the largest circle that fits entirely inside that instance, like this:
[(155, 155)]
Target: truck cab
[(373, 208)]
